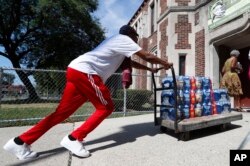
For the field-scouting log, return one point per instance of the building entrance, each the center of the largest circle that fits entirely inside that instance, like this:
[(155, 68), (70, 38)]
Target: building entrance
[(244, 76), (224, 52)]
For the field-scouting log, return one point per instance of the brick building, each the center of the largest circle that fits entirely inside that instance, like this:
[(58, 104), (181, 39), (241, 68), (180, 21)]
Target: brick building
[(196, 35)]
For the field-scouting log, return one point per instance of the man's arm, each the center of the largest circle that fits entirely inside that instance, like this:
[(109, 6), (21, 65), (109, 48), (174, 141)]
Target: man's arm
[(151, 58), (137, 65)]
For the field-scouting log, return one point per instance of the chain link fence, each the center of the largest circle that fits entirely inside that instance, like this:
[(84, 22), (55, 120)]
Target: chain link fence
[(27, 96)]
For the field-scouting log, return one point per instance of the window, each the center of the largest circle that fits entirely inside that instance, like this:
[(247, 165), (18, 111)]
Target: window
[(154, 51), (182, 64), (152, 8), (136, 27), (156, 9)]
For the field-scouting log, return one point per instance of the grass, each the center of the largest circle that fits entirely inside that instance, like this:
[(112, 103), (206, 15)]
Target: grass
[(24, 111), (30, 114)]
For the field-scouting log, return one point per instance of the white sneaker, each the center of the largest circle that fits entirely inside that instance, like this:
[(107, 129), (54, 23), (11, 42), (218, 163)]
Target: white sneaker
[(75, 147), (22, 152)]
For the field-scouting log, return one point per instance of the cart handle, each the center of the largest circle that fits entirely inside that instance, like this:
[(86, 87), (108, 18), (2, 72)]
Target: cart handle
[(175, 98)]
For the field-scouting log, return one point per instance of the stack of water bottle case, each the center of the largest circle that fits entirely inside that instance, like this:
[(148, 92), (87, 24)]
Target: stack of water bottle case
[(195, 98)]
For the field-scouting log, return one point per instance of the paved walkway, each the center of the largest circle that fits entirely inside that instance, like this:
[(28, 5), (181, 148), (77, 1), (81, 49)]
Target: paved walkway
[(135, 141)]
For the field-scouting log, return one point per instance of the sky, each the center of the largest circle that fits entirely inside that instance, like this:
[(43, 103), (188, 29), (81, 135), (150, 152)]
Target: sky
[(112, 15), (115, 13)]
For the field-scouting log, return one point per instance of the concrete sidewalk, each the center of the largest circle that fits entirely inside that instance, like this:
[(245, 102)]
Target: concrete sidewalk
[(135, 141)]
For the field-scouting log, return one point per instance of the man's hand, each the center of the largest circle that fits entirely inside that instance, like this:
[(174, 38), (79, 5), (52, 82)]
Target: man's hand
[(168, 65), (155, 70)]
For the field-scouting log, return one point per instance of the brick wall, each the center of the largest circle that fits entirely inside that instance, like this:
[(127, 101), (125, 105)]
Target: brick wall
[(200, 53), (141, 82), (163, 6), (145, 6), (182, 2), (197, 1), (164, 38), (182, 29), (163, 41), (152, 41), (146, 45)]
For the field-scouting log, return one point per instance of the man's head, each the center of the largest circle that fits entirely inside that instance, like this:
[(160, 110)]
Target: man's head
[(235, 53), (129, 31)]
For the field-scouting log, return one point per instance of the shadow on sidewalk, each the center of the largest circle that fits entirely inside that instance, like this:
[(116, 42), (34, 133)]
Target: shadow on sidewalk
[(128, 134), (41, 156)]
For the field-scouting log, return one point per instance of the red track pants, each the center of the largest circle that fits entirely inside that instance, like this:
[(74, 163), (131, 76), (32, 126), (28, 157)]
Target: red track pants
[(80, 87)]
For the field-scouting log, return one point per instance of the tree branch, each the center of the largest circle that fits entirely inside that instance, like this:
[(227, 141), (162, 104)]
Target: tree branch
[(3, 54), (22, 54)]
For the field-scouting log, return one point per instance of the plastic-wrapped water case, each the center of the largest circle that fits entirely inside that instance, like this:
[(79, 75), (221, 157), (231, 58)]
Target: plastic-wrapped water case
[(198, 110), (217, 95), (192, 111), (218, 107), (180, 82), (223, 107), (206, 83), (185, 110), (186, 97), (214, 109), (195, 98), (221, 95), (192, 83), (207, 109), (170, 114), (192, 97), (180, 96), (167, 82), (186, 81), (167, 97), (164, 113), (198, 82), (226, 107), (198, 96), (206, 97), (224, 95)]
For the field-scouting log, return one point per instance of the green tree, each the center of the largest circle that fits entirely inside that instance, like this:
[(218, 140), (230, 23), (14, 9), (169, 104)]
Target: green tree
[(50, 83), (46, 33), (7, 78)]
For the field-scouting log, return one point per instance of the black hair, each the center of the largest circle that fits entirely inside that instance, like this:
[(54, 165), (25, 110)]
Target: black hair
[(127, 30)]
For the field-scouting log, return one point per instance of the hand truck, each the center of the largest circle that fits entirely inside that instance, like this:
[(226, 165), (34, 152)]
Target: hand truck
[(184, 126)]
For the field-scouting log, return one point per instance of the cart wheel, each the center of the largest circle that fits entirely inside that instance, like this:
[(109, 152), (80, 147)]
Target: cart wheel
[(224, 127), (163, 129), (185, 136)]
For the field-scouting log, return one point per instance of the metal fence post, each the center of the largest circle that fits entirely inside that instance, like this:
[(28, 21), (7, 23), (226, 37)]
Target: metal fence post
[(1, 86), (124, 101)]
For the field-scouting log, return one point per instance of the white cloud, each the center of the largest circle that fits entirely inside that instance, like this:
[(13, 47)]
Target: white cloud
[(109, 3), (115, 13), (112, 22)]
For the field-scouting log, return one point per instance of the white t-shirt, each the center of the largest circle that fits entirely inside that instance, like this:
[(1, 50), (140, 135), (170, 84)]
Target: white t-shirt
[(105, 59)]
